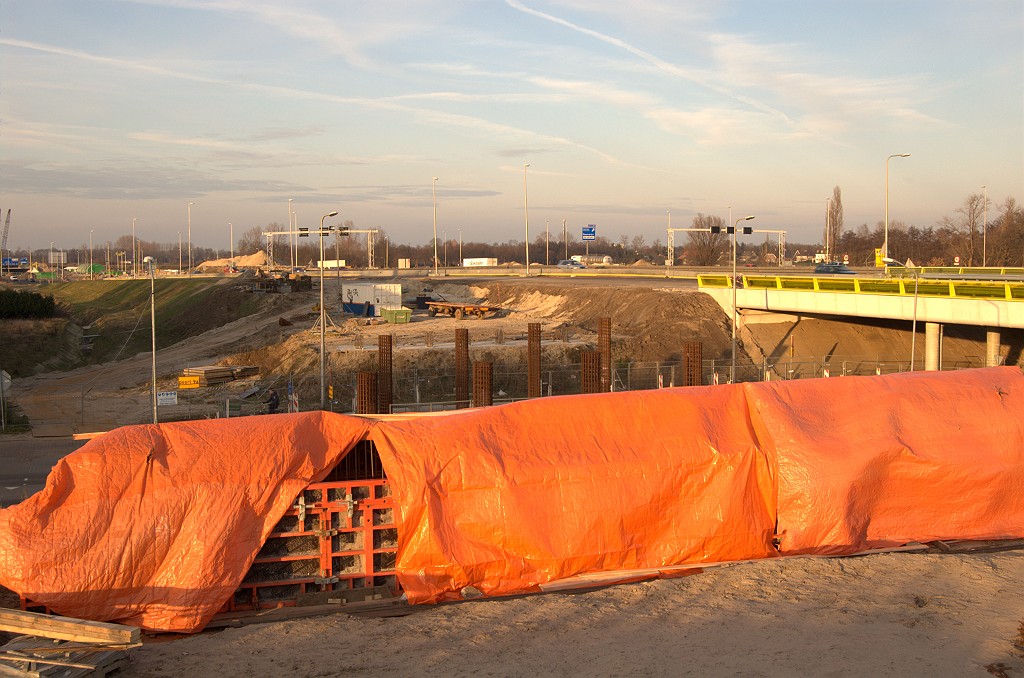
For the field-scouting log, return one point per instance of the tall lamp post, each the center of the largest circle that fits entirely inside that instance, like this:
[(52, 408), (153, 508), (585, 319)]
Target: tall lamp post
[(732, 369), (134, 250), (90, 255), (323, 328), (885, 240), (984, 232), (433, 190), (231, 239), (526, 215), (151, 262), (190, 239)]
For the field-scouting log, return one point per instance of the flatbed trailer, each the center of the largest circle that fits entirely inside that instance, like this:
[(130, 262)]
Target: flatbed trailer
[(459, 311)]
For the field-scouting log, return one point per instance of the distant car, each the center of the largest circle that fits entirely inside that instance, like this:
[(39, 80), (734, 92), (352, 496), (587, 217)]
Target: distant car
[(834, 267), (570, 263)]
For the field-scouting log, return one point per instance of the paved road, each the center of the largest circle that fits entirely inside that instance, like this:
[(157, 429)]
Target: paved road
[(26, 461)]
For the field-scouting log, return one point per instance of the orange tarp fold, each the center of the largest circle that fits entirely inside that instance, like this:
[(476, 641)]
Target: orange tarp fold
[(156, 525), (504, 499)]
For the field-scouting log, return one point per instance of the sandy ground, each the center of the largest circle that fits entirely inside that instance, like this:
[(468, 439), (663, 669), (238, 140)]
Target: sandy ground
[(890, 614)]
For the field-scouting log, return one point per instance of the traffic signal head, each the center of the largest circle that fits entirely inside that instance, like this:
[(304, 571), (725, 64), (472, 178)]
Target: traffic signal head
[(716, 229), (730, 229), (344, 231), (747, 230)]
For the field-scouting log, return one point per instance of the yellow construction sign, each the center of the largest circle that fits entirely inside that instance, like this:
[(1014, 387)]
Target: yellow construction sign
[(188, 382)]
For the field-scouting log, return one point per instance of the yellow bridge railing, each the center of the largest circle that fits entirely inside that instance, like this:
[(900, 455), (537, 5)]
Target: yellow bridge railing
[(925, 287)]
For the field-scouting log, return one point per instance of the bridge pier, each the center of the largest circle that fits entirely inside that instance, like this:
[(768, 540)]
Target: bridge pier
[(992, 339), (932, 346)]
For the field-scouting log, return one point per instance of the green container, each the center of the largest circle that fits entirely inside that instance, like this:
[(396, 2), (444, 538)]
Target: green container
[(396, 315)]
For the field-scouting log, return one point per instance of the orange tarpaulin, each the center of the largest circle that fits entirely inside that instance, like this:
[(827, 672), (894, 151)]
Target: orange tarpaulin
[(506, 498), (156, 526), (873, 462)]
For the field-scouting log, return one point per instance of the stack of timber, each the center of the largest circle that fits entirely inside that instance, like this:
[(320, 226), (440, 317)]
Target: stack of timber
[(62, 646), (218, 374)]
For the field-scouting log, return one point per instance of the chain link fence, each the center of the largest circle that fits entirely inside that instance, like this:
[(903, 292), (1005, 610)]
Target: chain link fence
[(425, 390)]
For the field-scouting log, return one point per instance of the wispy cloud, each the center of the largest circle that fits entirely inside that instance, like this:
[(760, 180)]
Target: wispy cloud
[(692, 75), (428, 116)]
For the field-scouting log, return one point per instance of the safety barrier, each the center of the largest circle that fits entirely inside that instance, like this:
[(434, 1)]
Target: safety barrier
[(907, 287)]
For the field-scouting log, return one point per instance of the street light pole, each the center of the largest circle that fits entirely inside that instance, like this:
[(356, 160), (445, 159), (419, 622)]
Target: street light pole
[(732, 370), (526, 215), (547, 245), (984, 232), (152, 322), (885, 240), (323, 328), (190, 239), (90, 255), (134, 249), (433, 191), (231, 239)]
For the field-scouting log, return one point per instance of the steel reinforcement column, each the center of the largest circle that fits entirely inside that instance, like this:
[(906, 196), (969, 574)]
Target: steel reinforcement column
[(533, 361), (590, 377), (693, 363), (385, 393), (461, 367), (483, 384), (604, 346), (366, 393)]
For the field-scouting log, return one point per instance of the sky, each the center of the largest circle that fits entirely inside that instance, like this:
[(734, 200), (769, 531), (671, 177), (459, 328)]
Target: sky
[(631, 115)]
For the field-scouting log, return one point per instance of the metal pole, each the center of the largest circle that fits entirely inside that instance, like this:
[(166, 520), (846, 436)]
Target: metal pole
[(134, 249), (433, 189), (90, 255), (152, 324), (323, 328), (984, 233), (885, 240), (913, 329), (190, 239), (732, 370), (526, 215)]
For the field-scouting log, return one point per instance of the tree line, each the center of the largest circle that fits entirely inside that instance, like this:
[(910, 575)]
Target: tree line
[(977, 232)]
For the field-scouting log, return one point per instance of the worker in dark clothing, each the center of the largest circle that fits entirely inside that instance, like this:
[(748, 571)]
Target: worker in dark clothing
[(271, 401)]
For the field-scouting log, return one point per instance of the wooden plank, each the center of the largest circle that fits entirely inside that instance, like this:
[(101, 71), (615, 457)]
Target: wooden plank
[(67, 628)]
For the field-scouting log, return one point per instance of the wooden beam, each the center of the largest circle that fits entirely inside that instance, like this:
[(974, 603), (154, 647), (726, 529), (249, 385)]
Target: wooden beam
[(67, 628)]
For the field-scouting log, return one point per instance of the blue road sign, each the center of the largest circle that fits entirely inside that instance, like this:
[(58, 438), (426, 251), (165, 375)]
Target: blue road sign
[(590, 232)]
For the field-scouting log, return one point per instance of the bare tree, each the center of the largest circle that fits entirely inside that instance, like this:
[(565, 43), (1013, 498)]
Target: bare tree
[(637, 244), (252, 241), (968, 225), (1006, 235), (834, 219), (706, 248)]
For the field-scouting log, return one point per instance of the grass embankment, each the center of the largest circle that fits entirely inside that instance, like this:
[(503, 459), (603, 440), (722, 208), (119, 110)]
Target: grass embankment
[(118, 312)]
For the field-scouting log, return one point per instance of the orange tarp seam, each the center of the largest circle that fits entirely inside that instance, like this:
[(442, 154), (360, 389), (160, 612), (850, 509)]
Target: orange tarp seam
[(157, 525)]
